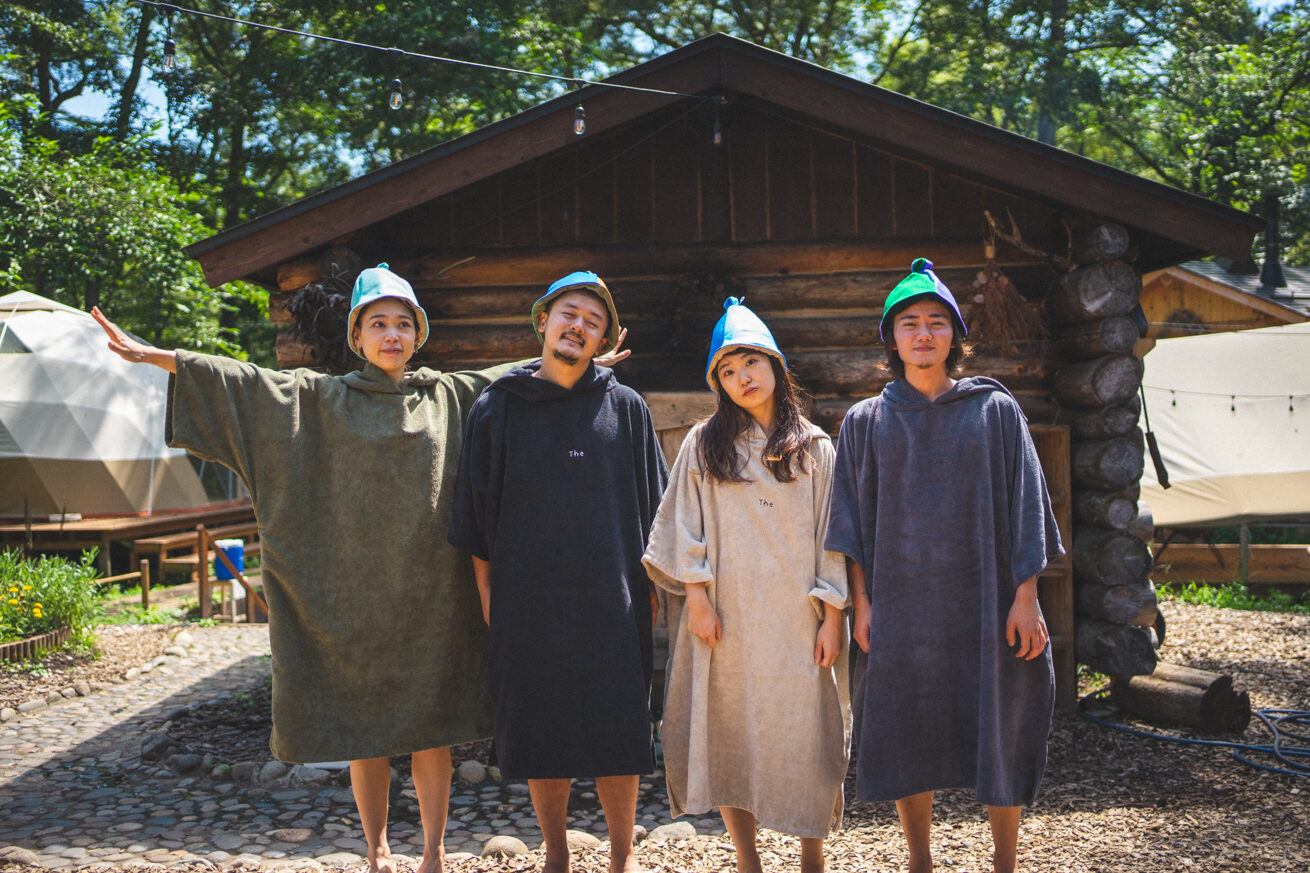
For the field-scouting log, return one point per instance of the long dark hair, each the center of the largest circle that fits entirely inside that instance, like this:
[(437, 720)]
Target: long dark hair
[(785, 448)]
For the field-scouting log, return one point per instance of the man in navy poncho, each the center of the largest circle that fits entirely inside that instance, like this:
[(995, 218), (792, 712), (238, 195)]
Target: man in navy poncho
[(559, 481), (939, 504)]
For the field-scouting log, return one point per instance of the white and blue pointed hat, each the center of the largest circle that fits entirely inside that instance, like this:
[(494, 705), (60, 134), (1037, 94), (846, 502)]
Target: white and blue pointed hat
[(738, 328)]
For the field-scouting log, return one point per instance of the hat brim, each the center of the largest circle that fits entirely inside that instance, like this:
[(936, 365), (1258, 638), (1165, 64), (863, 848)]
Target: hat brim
[(611, 333), (713, 381), (420, 317), (902, 304)]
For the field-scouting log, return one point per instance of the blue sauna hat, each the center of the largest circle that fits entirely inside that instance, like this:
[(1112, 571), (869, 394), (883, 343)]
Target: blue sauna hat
[(372, 285), (738, 328)]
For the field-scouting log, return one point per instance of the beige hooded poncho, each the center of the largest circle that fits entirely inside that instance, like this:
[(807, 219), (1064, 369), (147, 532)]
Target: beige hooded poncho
[(378, 642), (753, 723)]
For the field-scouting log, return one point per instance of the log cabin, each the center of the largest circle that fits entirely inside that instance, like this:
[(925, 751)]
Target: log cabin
[(809, 193)]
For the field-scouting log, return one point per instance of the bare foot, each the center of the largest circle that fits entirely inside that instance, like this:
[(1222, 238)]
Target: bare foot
[(556, 862), (432, 861), (627, 865), (382, 862)]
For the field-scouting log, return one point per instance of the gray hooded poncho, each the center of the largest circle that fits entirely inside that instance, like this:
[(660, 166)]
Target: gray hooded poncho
[(944, 506), (378, 642)]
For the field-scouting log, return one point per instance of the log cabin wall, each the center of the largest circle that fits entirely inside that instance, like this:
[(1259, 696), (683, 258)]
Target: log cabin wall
[(813, 225)]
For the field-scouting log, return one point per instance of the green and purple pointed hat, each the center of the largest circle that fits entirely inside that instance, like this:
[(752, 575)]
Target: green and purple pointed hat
[(922, 282)]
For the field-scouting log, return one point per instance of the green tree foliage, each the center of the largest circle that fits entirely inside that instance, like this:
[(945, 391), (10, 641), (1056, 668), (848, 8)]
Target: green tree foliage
[(95, 229)]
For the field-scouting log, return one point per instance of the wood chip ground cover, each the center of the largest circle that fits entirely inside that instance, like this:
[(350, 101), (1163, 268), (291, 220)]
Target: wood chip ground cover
[(1110, 801)]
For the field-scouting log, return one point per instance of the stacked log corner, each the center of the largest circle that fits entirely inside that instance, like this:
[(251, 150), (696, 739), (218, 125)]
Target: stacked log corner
[(1097, 387)]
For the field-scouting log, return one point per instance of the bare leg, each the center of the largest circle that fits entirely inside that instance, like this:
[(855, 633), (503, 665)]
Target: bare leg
[(370, 779), (915, 813), (550, 801), (741, 827), (811, 854), (618, 797), (431, 769), (1005, 837)]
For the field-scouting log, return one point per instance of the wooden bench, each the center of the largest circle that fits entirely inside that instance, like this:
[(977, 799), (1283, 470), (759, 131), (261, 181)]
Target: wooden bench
[(178, 551)]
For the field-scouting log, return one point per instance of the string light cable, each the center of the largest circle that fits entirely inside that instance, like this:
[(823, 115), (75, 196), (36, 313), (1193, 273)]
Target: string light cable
[(1296, 758), (575, 81)]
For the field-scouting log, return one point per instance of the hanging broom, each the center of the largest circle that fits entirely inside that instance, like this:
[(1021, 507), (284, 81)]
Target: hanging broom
[(999, 318)]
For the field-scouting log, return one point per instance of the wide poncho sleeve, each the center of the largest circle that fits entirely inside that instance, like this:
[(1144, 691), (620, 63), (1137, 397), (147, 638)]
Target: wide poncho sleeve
[(731, 713), (377, 637), (943, 504)]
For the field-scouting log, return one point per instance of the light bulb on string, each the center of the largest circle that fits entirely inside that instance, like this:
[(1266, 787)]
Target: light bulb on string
[(579, 120), (397, 96), (718, 128), (170, 55)]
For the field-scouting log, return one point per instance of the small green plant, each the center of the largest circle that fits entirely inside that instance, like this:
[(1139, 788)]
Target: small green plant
[(1234, 596), (45, 594), (138, 615)]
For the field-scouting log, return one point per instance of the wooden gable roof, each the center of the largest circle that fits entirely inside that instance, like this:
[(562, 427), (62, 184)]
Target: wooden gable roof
[(771, 96)]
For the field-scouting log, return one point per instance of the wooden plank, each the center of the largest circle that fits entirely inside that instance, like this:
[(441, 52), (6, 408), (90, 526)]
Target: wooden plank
[(558, 206), (748, 161), (835, 186), (957, 207), (912, 192), (875, 205), (716, 191), (478, 211), (789, 169), (519, 220), (675, 173), (1218, 564), (632, 172), (597, 192), (677, 409)]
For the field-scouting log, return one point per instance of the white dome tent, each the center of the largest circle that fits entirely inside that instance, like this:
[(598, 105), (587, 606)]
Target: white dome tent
[(81, 431)]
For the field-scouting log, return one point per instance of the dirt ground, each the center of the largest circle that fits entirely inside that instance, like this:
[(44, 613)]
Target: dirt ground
[(1110, 801)]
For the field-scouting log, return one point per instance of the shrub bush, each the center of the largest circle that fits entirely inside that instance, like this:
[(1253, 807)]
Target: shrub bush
[(45, 594)]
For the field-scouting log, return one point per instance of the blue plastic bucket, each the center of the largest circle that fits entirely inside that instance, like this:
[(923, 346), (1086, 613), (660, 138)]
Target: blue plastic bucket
[(235, 551)]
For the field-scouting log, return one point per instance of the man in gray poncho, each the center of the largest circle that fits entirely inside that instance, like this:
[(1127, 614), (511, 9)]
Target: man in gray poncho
[(939, 504)]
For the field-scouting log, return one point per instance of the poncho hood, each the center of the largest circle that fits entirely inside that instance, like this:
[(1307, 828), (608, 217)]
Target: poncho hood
[(902, 395), (523, 382), (372, 378)]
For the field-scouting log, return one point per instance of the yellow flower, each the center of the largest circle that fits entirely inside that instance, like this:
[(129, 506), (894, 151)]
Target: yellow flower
[(27, 587), (36, 613), (13, 601), (37, 606), (13, 587)]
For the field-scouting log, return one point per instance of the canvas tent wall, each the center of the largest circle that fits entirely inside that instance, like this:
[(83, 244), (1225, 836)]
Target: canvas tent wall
[(81, 431), (1231, 413)]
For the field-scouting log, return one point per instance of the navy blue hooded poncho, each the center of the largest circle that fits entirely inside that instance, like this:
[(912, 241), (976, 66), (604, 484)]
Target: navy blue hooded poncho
[(558, 488), (944, 506)]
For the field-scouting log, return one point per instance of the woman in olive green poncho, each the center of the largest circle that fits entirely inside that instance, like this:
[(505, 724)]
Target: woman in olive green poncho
[(378, 643)]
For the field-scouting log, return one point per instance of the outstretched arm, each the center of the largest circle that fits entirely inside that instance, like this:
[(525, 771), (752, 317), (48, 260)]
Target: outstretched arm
[(132, 350)]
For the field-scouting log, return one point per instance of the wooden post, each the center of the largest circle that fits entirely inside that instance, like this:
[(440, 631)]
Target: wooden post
[(1244, 556), (202, 568), (145, 583)]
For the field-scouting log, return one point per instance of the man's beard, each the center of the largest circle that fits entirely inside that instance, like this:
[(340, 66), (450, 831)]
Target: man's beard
[(566, 357)]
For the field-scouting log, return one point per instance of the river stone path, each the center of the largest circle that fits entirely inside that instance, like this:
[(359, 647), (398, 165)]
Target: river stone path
[(75, 790)]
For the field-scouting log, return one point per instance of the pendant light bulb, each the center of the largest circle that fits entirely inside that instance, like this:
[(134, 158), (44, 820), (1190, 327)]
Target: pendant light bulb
[(579, 120), (397, 96), (718, 129), (170, 55)]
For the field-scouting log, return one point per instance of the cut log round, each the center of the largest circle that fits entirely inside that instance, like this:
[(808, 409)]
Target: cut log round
[(1101, 290), (1109, 557), (1112, 509), (1106, 422), (1099, 382), (1121, 604), (1107, 336), (1143, 524), (1115, 649), (1105, 242), (1108, 465), (1185, 696)]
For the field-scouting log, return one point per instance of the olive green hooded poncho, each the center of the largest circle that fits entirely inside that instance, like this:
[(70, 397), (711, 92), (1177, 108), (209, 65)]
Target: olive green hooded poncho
[(378, 642)]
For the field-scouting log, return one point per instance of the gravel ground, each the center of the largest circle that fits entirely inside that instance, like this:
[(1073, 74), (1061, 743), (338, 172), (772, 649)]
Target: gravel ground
[(119, 648), (1110, 801)]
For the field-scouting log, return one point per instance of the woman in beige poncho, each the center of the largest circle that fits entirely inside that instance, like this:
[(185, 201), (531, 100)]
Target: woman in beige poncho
[(756, 716)]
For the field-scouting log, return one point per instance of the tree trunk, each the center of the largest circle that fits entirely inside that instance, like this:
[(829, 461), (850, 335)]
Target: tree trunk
[(1186, 696), (1121, 604), (1115, 649), (1105, 242), (1108, 465), (1109, 557), (1116, 335), (1105, 381), (1112, 509), (1101, 290), (127, 95), (1108, 421)]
